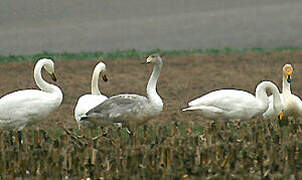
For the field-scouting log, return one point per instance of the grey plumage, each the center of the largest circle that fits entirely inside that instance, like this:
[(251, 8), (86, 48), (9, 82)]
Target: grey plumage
[(130, 109), (122, 109)]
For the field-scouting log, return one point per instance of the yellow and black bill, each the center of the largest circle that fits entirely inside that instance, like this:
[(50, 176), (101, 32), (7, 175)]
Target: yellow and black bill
[(288, 78), (149, 59), (53, 77)]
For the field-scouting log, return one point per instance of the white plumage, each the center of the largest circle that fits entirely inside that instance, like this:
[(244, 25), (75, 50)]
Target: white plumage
[(291, 104), (89, 101), (232, 104), (26, 107)]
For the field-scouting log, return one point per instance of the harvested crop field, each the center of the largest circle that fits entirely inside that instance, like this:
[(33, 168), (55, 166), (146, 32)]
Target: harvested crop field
[(167, 146)]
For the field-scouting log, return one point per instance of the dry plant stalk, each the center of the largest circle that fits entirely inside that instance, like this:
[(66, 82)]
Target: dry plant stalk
[(256, 149)]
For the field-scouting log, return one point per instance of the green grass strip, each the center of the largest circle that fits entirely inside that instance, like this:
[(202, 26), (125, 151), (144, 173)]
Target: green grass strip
[(133, 53)]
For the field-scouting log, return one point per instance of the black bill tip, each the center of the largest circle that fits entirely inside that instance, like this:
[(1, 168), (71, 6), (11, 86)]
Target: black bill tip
[(53, 77), (289, 80), (104, 77)]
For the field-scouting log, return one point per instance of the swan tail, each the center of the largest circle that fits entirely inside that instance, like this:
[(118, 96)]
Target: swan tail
[(83, 117), (192, 108)]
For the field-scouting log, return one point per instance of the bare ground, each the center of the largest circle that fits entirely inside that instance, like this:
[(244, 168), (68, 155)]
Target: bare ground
[(182, 79)]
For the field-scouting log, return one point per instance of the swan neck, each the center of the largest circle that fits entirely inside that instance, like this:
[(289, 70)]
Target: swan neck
[(276, 98), (43, 85), (95, 82), (151, 87), (261, 93), (285, 86)]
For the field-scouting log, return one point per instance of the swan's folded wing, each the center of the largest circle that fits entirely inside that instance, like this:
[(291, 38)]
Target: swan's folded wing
[(119, 108), (205, 99), (223, 98), (299, 104), (26, 104)]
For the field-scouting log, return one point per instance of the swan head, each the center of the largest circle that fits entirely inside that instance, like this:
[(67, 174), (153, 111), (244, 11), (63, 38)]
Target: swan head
[(48, 65), (287, 71), (153, 58), (101, 67)]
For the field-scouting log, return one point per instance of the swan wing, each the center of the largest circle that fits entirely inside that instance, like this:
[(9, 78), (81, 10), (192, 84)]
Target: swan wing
[(298, 104), (224, 98), (26, 105), (227, 104), (119, 107), (292, 105)]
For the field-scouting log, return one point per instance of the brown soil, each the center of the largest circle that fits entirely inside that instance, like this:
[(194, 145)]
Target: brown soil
[(183, 78)]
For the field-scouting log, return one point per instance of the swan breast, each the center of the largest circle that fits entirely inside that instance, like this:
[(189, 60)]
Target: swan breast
[(86, 103)]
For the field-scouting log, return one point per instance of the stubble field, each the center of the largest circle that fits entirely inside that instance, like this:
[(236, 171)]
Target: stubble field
[(182, 79)]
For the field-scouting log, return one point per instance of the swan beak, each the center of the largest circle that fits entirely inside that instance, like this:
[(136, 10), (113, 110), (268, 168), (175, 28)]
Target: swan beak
[(53, 77), (289, 80), (104, 76), (280, 117), (288, 76), (149, 59)]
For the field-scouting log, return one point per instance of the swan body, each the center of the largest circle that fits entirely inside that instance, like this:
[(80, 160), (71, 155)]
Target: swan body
[(292, 104), (89, 101), (232, 104), (26, 107), (130, 109)]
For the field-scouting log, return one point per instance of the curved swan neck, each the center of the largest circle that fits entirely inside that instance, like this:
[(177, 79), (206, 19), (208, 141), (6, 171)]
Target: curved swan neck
[(285, 86), (261, 93), (95, 80), (277, 103), (43, 85), (151, 87)]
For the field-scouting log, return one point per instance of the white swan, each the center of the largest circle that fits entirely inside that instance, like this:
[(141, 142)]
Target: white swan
[(292, 104), (130, 109), (26, 107), (232, 104), (89, 101)]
